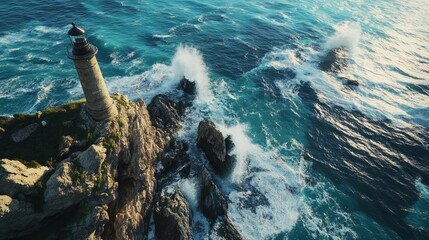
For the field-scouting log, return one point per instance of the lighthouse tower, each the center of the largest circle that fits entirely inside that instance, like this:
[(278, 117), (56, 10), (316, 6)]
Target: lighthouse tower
[(99, 104)]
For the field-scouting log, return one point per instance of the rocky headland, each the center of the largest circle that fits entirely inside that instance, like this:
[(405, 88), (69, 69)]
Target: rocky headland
[(100, 180)]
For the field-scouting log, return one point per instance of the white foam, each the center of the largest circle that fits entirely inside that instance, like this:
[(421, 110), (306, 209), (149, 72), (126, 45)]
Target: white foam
[(243, 146), (190, 190), (347, 35), (189, 62), (378, 96)]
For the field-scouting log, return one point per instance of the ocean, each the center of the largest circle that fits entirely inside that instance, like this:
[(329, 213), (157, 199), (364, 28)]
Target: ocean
[(317, 157)]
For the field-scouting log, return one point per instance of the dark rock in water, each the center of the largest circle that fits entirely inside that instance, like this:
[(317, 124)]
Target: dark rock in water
[(226, 230), (215, 207), (352, 82), (176, 159), (172, 217), (335, 61), (164, 114), (188, 86), (212, 202), (211, 141)]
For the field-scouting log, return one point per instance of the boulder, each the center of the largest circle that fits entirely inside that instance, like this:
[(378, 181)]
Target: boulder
[(335, 60), (188, 86), (211, 141), (16, 178), (212, 202), (164, 114), (172, 217), (24, 133)]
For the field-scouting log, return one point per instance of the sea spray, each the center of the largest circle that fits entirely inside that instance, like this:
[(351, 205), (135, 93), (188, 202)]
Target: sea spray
[(188, 62), (347, 35)]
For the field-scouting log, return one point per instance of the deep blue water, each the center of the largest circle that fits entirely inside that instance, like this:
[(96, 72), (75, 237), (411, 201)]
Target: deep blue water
[(317, 159)]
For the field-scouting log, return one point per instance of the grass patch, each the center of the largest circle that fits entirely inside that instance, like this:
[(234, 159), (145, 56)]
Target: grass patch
[(42, 146)]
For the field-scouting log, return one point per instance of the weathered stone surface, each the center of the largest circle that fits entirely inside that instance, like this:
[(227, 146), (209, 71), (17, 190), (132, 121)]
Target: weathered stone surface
[(16, 178), (175, 159), (335, 61), (65, 143), (164, 114), (172, 217), (24, 133), (17, 216), (211, 141), (113, 178), (188, 86), (226, 230), (212, 202)]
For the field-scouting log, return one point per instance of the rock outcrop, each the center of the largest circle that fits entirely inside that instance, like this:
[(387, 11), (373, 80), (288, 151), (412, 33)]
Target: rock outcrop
[(16, 178), (212, 142), (164, 113), (188, 86), (24, 132), (214, 206), (172, 217), (103, 192), (335, 60)]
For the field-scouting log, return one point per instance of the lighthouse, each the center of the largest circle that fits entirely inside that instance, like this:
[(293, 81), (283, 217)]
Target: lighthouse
[(98, 102)]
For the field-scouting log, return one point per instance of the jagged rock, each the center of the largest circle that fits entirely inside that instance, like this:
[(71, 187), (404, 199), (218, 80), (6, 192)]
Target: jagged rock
[(226, 230), (335, 60), (175, 159), (172, 217), (213, 203), (114, 178), (211, 141), (215, 207), (17, 217), (65, 143), (163, 113), (16, 178), (188, 86), (24, 133)]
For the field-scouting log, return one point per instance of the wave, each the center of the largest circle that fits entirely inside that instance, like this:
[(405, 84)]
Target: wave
[(347, 35), (378, 96)]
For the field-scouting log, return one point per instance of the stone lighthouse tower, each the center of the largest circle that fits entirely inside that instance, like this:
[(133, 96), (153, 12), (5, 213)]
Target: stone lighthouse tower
[(100, 105)]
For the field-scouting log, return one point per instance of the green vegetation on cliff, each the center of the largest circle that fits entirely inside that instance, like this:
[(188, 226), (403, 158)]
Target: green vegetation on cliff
[(42, 145)]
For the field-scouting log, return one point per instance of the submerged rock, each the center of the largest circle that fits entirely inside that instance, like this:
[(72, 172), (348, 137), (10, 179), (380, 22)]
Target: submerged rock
[(188, 86), (350, 82), (334, 61), (172, 217), (211, 141)]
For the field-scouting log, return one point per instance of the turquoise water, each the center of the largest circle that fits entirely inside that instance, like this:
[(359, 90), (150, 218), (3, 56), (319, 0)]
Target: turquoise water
[(317, 158)]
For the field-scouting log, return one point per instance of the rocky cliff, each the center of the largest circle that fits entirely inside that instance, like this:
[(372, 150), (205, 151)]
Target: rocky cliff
[(104, 186)]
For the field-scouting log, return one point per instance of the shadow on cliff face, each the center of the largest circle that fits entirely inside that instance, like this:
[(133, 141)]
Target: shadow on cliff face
[(372, 161)]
